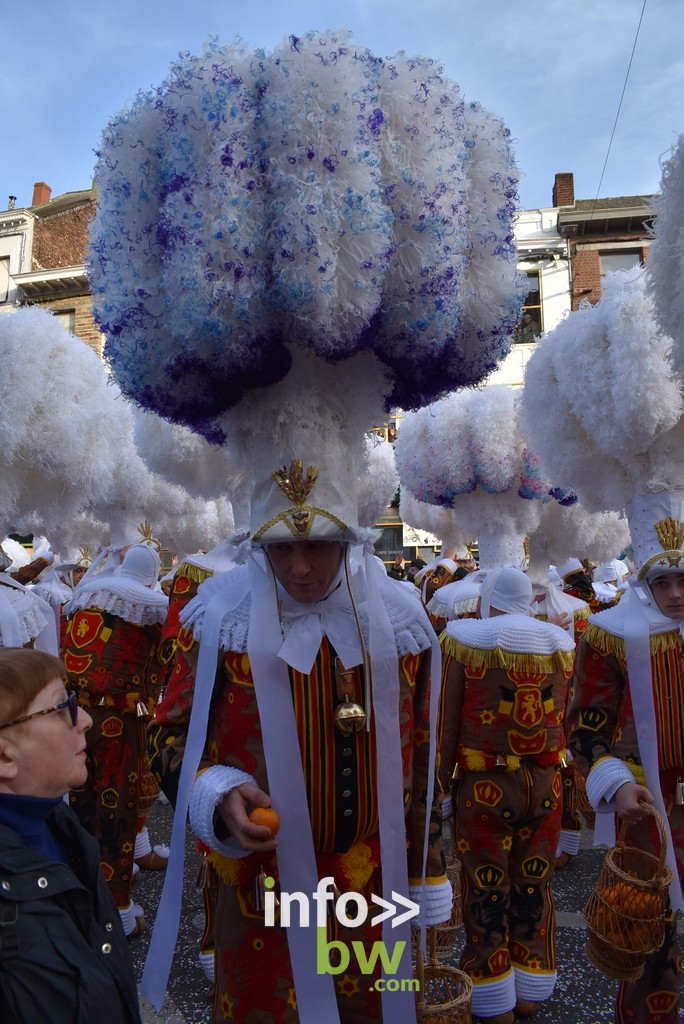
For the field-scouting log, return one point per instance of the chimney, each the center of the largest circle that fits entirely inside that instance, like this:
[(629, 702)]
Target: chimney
[(41, 194), (564, 189)]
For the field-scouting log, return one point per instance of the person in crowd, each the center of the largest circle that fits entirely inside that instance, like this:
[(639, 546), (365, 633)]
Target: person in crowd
[(358, 738), (111, 655), (504, 678), (625, 727), (63, 952)]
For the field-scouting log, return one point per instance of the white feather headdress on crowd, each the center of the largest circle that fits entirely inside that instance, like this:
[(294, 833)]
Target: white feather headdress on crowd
[(467, 453), (378, 483), (604, 409), (182, 457), (55, 451), (563, 530), (665, 266), (435, 520), (317, 199)]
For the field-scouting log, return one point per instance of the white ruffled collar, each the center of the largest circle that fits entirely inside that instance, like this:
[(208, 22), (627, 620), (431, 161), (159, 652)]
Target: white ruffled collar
[(305, 625), (515, 633), (613, 619), (23, 616), (121, 596)]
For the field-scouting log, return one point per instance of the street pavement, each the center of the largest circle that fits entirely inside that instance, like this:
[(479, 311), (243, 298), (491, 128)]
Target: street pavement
[(582, 994)]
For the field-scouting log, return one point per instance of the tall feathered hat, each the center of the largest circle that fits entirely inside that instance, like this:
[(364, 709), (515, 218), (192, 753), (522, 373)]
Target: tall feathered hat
[(296, 231), (56, 452), (665, 267), (563, 530), (435, 520), (616, 454), (468, 453)]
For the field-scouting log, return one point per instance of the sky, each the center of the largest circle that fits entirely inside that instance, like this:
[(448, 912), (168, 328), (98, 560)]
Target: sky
[(554, 70)]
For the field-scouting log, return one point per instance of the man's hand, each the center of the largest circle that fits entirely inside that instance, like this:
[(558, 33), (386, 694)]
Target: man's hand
[(562, 620), (234, 810), (629, 799)]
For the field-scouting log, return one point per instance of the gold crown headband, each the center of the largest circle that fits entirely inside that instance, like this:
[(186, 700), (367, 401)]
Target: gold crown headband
[(670, 534), (296, 487), (147, 537)]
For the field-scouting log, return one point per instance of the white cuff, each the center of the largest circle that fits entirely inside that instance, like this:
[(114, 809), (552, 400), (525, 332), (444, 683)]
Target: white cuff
[(535, 987), (568, 842), (142, 843), (435, 902), (207, 792), (446, 806), (603, 782)]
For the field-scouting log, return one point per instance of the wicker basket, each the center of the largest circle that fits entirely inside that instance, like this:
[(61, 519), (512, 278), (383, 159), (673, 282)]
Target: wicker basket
[(149, 791), (625, 912), (444, 993), (447, 933), (583, 806)]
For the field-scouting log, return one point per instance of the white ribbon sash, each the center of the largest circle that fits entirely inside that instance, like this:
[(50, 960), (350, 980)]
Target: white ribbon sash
[(638, 654)]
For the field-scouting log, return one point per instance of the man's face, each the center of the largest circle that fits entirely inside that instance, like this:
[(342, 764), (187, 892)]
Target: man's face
[(668, 594), (306, 568)]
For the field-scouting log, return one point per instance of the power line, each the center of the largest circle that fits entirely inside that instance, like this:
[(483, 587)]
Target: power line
[(624, 87)]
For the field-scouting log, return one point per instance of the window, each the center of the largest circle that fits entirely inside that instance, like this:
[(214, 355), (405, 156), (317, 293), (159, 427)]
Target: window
[(389, 543), (67, 318), (531, 324), (388, 430), (611, 261), (4, 278)]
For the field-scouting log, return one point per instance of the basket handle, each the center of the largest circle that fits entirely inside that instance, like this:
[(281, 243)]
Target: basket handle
[(431, 944), (660, 821)]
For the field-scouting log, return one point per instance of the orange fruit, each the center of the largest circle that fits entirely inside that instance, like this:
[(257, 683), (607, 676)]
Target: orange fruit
[(266, 816)]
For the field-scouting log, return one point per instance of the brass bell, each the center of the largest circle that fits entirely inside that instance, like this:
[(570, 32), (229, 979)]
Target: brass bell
[(260, 892), (500, 761), (141, 710), (679, 792), (349, 716)]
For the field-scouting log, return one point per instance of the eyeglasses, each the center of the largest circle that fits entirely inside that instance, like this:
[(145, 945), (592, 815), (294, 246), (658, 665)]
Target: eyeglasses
[(71, 704)]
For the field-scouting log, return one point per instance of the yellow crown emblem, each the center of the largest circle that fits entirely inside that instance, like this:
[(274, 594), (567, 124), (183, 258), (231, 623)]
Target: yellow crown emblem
[(292, 483), (670, 533), (145, 530)]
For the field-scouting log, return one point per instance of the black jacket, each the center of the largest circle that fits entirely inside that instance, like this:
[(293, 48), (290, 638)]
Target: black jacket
[(64, 957)]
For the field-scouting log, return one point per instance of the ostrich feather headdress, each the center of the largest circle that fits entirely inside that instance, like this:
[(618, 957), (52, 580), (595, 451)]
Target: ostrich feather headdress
[(603, 406), (467, 453), (316, 202)]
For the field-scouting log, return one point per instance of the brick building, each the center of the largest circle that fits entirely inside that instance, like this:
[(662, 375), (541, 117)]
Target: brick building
[(42, 258), (602, 235)]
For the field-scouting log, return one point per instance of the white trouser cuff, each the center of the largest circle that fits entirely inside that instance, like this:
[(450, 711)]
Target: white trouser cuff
[(142, 843), (535, 987), (207, 963), (568, 842), (435, 902), (127, 919), (491, 998)]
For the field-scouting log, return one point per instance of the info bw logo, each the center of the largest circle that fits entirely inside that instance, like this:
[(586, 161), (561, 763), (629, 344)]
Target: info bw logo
[(351, 910)]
